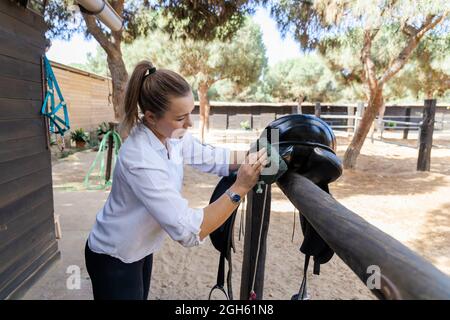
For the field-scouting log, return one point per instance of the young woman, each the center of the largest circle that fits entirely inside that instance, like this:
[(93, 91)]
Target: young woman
[(145, 201)]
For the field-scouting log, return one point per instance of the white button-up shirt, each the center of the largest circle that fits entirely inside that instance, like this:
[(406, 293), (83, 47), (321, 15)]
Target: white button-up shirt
[(145, 202)]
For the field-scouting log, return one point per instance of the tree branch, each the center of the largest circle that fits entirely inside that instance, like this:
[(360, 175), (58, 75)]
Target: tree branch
[(369, 65), (415, 36), (117, 5), (97, 33)]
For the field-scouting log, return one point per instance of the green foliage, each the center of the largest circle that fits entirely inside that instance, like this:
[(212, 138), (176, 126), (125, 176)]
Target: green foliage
[(239, 60), (307, 78), (428, 73), (236, 69), (245, 125), (79, 135), (205, 20), (336, 29), (102, 129), (391, 124), (64, 19)]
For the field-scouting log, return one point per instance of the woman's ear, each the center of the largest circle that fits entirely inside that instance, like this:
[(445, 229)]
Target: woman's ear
[(150, 118)]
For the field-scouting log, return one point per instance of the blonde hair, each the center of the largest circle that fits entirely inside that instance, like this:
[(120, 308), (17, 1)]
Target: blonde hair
[(150, 90)]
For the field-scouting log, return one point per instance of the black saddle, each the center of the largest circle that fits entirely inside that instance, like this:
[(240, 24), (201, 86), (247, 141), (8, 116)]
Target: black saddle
[(307, 146)]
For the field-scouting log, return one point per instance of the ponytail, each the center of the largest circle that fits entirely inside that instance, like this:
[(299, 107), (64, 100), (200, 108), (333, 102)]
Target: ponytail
[(133, 91)]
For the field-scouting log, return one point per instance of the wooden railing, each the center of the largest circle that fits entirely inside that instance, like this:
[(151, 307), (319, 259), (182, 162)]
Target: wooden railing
[(403, 273)]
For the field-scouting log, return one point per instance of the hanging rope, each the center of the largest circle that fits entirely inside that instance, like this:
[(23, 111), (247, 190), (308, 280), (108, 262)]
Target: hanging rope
[(117, 142), (62, 125)]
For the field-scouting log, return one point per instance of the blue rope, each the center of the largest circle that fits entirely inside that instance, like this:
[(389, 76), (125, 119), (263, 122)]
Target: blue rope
[(62, 125)]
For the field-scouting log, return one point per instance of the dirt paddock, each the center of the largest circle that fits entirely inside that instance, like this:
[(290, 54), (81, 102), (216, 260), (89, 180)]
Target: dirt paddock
[(385, 189)]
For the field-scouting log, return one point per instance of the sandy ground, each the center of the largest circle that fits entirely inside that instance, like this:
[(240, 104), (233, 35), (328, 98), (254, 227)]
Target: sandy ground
[(385, 189)]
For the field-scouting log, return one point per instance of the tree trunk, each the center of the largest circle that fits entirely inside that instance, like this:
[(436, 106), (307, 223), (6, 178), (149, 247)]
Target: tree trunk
[(204, 108), (111, 44), (119, 76), (373, 108)]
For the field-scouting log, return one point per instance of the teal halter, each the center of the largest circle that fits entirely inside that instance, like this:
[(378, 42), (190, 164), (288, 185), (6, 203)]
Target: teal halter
[(62, 125)]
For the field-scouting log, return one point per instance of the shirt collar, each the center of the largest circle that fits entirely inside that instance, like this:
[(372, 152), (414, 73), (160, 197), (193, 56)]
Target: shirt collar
[(154, 141)]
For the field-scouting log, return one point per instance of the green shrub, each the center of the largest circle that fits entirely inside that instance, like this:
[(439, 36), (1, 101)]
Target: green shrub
[(245, 125)]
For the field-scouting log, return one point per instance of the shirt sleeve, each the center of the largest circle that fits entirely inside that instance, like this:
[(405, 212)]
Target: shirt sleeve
[(166, 205), (205, 157)]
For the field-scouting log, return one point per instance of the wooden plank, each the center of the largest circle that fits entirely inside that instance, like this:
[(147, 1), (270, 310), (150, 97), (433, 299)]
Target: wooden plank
[(17, 29), (20, 148), (17, 228), (24, 15), (19, 69), (15, 48), (25, 245), (404, 274), (18, 168), (17, 189), (426, 135), (16, 287), (317, 109), (19, 208), (19, 129), (255, 243), (20, 89), (14, 109), (29, 259)]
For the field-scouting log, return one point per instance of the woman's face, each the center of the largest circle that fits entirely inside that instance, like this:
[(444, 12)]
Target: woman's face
[(175, 121)]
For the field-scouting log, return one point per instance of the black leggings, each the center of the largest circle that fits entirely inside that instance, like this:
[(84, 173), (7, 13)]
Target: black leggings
[(113, 279)]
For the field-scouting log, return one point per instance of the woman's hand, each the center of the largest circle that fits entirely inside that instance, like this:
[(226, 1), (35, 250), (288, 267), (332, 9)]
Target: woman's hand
[(249, 171)]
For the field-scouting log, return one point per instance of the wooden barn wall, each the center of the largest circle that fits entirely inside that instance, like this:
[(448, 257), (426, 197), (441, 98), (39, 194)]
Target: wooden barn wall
[(27, 233), (86, 96)]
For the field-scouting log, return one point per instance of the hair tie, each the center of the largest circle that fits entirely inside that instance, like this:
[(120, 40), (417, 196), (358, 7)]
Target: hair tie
[(150, 71)]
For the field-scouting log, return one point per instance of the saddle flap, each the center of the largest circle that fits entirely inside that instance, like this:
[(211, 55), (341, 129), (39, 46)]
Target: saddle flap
[(323, 166)]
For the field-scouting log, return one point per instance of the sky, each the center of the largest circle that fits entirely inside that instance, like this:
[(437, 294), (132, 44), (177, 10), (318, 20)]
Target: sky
[(278, 49)]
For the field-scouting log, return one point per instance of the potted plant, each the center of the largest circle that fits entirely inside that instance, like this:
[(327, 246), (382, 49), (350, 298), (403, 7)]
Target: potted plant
[(80, 137)]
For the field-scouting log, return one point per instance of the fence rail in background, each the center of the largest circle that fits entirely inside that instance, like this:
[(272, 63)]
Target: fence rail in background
[(344, 117)]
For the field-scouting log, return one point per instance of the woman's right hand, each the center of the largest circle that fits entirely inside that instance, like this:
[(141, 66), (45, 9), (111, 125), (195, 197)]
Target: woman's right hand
[(249, 171)]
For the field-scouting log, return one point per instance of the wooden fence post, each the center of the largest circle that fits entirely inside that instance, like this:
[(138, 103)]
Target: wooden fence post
[(317, 109), (426, 135), (256, 227), (407, 119), (110, 150), (359, 110), (228, 121), (350, 121)]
